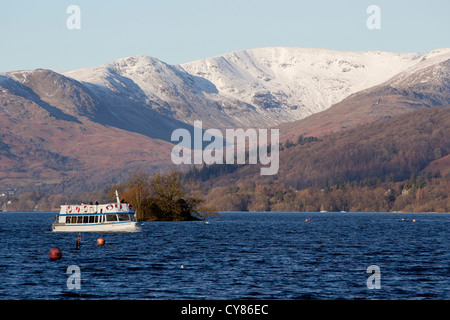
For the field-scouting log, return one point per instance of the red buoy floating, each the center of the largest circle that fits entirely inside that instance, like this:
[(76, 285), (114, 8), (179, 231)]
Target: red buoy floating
[(100, 241), (55, 253)]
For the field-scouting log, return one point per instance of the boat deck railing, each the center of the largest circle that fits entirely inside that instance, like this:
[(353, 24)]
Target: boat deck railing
[(96, 208)]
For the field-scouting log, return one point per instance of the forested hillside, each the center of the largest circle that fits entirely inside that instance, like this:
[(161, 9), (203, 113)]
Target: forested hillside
[(397, 164), (372, 159)]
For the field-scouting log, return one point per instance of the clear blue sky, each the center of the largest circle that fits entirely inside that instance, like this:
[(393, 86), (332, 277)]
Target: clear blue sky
[(34, 33)]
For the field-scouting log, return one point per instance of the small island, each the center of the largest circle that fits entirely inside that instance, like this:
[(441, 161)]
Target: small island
[(163, 197)]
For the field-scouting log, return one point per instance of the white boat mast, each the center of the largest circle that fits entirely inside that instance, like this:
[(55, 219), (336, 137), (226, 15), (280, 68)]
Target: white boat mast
[(117, 197)]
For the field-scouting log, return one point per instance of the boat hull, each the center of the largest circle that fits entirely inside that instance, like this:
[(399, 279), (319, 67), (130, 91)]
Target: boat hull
[(120, 226)]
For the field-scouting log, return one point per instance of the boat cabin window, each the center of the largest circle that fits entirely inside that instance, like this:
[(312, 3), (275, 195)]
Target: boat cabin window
[(100, 218), (71, 219), (124, 217), (111, 217), (84, 219)]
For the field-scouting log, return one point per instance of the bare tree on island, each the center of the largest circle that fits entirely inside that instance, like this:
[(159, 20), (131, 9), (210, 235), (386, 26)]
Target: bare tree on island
[(164, 197)]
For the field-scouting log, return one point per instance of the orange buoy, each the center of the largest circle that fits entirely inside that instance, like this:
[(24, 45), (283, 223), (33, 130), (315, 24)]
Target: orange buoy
[(100, 241), (55, 253), (414, 220)]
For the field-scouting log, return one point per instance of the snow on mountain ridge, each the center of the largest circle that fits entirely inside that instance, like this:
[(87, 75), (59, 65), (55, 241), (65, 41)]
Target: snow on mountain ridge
[(428, 69), (307, 78), (255, 87)]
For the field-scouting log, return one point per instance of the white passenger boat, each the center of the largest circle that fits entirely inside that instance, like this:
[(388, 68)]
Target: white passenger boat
[(110, 217)]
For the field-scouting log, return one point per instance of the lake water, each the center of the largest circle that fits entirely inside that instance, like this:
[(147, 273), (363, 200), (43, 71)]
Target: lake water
[(237, 256)]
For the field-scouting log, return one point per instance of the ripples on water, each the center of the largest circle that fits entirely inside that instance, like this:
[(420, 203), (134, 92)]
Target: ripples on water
[(236, 256)]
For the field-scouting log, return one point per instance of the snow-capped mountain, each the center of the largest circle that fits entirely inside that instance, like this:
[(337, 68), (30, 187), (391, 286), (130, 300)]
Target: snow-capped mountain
[(94, 125), (153, 85), (257, 87), (432, 68), (424, 85), (286, 84)]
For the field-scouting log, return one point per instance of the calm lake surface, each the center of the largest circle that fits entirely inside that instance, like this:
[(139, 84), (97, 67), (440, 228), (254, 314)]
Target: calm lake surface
[(237, 256)]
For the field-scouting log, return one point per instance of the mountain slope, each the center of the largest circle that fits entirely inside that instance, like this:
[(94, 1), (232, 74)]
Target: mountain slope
[(68, 99), (285, 84), (425, 84), (92, 126), (49, 133), (155, 86), (250, 88), (396, 147)]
